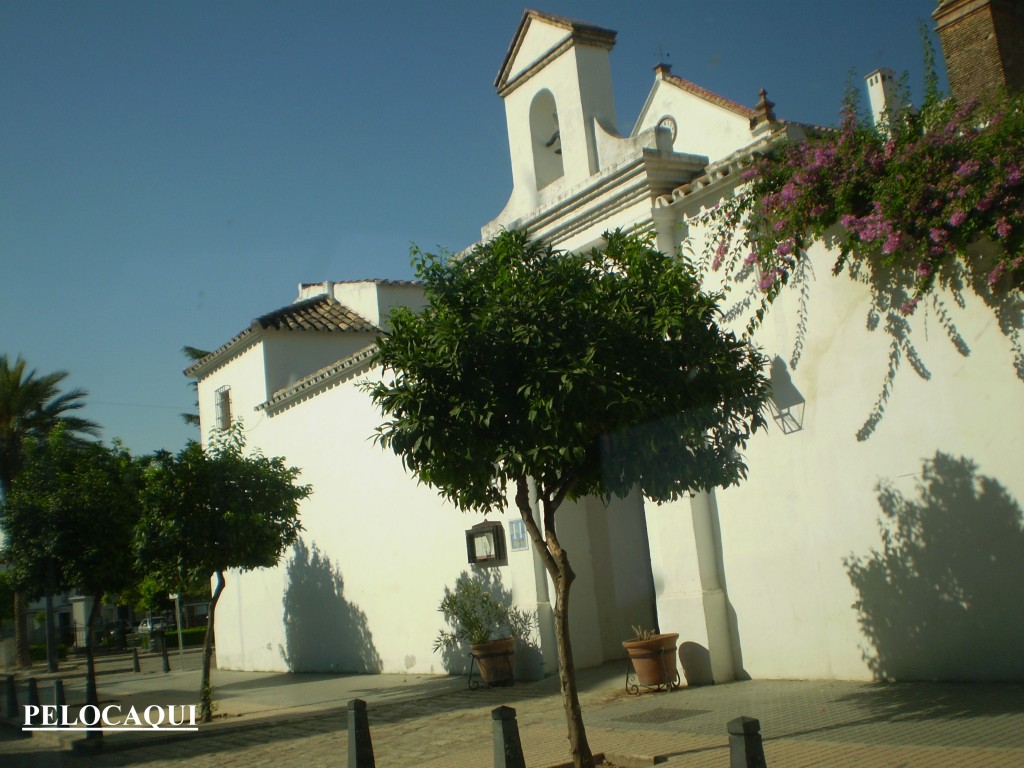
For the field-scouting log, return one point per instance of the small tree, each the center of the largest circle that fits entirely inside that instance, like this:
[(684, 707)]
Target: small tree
[(589, 373), (70, 522), (205, 511)]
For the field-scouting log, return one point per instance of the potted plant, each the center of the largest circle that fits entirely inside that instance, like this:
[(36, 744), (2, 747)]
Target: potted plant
[(653, 657), (488, 625)]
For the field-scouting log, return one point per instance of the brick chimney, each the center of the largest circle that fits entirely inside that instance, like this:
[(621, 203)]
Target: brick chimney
[(983, 42)]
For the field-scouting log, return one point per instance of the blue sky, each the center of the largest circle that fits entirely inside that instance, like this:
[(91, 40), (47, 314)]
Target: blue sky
[(170, 170)]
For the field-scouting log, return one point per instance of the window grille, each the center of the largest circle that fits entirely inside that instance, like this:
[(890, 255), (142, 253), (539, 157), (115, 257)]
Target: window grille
[(223, 407)]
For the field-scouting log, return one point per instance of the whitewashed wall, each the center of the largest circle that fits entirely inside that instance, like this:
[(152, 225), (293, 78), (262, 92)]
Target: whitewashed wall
[(703, 127), (393, 546), (757, 577), (245, 373), (809, 508)]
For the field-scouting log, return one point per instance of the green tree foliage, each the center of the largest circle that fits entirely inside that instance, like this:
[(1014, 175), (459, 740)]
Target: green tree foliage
[(586, 373), (208, 510), (31, 404), (70, 522)]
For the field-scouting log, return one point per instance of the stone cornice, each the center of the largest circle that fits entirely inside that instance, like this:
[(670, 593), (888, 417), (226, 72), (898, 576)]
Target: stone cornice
[(646, 175), (725, 172)]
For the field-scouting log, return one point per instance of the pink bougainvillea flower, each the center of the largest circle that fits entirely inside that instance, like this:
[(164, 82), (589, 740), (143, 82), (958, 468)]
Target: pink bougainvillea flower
[(768, 279), (720, 253), (997, 273), (892, 243), (908, 307), (966, 108), (967, 168)]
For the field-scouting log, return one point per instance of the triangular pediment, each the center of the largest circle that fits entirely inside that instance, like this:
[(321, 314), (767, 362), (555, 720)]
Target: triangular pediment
[(542, 37), (689, 91)]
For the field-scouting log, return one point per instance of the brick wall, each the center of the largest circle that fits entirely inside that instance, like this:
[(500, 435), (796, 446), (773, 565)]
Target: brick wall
[(983, 42)]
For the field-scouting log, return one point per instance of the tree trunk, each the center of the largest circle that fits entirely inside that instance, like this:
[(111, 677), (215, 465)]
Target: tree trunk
[(90, 664), (205, 691), (579, 747), (51, 640), (556, 561), (22, 644)]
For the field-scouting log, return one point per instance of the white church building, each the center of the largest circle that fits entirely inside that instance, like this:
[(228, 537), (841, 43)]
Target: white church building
[(896, 555)]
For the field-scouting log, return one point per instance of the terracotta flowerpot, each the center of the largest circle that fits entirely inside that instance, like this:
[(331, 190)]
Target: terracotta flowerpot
[(494, 660), (654, 661)]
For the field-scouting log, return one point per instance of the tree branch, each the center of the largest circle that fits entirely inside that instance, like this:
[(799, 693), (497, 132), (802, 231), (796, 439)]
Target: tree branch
[(554, 546), (526, 511), (567, 483)]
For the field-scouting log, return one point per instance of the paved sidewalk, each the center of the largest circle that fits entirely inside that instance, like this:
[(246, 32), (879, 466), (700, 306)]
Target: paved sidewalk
[(423, 721)]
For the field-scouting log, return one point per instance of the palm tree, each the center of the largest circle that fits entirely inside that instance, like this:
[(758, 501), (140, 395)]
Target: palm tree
[(194, 354), (30, 406)]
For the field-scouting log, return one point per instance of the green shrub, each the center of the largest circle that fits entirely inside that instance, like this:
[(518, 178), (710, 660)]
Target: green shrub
[(191, 637), (38, 651)]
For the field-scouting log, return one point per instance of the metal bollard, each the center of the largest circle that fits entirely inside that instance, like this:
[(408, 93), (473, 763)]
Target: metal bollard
[(745, 747), (11, 698), (33, 701), (58, 693), (135, 660), (167, 663), (360, 748), (508, 749)]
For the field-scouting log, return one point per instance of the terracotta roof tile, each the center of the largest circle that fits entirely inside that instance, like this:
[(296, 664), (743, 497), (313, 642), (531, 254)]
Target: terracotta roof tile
[(320, 313), (707, 95)]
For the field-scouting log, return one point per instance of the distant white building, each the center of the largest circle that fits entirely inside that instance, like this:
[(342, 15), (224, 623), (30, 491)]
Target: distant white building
[(783, 576)]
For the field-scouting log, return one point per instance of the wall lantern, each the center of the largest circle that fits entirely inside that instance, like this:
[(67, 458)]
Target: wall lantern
[(485, 544)]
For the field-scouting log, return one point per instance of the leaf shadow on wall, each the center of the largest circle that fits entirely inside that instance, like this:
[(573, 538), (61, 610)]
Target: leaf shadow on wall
[(323, 631), (893, 289), (941, 599)]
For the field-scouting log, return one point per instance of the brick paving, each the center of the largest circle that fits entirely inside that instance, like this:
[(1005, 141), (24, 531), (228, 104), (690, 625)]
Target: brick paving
[(420, 721)]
